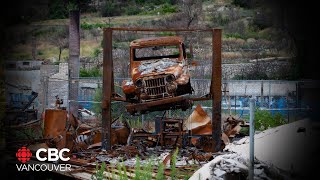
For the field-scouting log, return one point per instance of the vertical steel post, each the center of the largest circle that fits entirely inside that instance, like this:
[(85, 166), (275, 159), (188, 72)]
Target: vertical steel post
[(215, 89), (107, 89), (74, 61), (251, 170)]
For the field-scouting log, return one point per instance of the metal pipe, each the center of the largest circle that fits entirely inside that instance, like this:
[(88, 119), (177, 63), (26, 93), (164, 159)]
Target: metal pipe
[(251, 170)]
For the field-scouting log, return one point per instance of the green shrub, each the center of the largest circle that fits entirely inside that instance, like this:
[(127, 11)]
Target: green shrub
[(57, 9), (98, 98), (173, 164), (160, 173), (93, 72), (168, 8), (263, 119), (109, 9), (137, 169), (56, 63), (234, 35), (99, 172), (87, 26), (96, 52), (132, 10), (40, 52)]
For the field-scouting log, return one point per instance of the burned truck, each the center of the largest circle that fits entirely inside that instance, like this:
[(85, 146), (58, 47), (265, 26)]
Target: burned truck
[(160, 75)]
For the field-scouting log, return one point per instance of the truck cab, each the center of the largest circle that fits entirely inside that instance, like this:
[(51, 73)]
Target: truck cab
[(159, 70)]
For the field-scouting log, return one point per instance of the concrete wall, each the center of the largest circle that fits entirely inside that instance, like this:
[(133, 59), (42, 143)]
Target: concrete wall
[(22, 83), (58, 85), (231, 70)]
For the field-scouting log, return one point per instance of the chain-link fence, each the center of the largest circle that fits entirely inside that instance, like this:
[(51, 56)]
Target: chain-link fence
[(274, 96)]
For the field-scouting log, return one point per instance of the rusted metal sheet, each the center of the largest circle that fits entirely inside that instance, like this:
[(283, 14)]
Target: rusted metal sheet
[(107, 89), (215, 89), (197, 118), (55, 127)]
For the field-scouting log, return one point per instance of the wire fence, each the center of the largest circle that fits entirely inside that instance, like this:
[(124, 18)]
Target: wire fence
[(271, 95)]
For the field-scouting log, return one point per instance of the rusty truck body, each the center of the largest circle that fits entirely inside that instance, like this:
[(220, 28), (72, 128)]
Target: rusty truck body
[(160, 75)]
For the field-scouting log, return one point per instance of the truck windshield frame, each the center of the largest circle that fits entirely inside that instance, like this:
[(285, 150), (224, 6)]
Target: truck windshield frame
[(156, 52)]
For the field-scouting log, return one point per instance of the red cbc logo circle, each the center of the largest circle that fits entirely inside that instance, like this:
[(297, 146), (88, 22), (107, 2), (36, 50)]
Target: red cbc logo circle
[(24, 154)]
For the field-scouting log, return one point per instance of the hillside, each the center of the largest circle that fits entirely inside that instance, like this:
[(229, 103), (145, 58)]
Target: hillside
[(248, 34)]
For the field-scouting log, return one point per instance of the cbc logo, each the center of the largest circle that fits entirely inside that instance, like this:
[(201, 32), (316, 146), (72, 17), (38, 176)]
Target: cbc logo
[(24, 154), (53, 154)]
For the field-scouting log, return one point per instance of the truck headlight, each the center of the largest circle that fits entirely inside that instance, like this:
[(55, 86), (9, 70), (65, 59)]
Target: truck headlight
[(138, 83), (171, 87), (170, 78)]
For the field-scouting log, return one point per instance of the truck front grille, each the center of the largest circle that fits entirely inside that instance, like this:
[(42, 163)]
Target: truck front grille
[(156, 86)]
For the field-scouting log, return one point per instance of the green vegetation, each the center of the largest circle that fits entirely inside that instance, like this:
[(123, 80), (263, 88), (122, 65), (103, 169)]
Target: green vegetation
[(96, 52), (99, 175), (247, 33), (173, 164), (263, 120), (163, 9), (137, 170), (160, 173), (88, 26), (134, 123), (141, 171), (97, 98), (113, 8), (93, 72)]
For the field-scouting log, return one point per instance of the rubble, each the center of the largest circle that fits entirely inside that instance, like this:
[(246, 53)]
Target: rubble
[(280, 146), (277, 154), (227, 164)]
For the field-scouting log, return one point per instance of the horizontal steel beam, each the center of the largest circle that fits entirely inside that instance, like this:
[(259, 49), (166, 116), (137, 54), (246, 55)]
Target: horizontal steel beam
[(158, 30)]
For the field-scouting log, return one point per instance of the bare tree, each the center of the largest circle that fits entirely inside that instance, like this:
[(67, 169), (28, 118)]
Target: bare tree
[(60, 39), (191, 10), (188, 16)]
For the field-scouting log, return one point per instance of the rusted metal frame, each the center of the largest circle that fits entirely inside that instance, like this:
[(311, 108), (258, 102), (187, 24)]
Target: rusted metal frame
[(215, 89), (159, 30), (200, 98), (146, 105), (107, 89)]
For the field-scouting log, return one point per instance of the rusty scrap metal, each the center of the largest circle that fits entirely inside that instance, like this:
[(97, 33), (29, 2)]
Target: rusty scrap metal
[(55, 127), (199, 126), (232, 126), (197, 118)]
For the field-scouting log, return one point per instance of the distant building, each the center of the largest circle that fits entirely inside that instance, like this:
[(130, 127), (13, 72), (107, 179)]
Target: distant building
[(23, 65)]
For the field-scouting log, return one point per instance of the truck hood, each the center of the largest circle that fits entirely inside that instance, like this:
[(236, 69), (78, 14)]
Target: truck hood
[(156, 67)]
